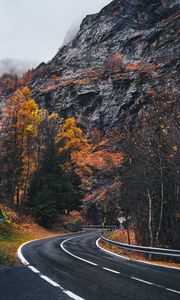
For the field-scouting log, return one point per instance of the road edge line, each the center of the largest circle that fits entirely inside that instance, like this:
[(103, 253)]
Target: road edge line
[(133, 260), (44, 277)]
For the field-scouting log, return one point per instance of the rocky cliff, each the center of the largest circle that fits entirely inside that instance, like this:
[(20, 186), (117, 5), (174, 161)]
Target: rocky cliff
[(104, 75), (108, 73)]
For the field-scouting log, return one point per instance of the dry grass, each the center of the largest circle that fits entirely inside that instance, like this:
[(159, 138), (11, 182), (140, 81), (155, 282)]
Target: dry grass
[(121, 236), (16, 233)]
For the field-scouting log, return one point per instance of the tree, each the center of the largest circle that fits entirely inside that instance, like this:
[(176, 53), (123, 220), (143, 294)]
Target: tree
[(45, 188), (51, 192), (20, 120), (149, 190), (71, 141)]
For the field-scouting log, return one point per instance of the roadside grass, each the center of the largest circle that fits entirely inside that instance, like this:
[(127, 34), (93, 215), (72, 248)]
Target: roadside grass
[(121, 236), (17, 232), (10, 244)]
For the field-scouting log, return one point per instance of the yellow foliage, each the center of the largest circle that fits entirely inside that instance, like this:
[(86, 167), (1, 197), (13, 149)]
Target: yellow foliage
[(71, 141), (53, 116), (70, 137), (22, 119), (32, 106), (26, 92)]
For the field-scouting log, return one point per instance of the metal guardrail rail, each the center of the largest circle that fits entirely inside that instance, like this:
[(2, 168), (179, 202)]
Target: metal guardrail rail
[(142, 249), (99, 226)]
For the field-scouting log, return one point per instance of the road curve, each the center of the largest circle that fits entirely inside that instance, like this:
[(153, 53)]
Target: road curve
[(83, 271)]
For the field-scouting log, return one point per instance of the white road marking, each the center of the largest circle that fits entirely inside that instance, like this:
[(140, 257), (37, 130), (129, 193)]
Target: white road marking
[(138, 279), (139, 261), (72, 295), (157, 285), (20, 256), (109, 252), (73, 255), (50, 281), (107, 269), (33, 269), (113, 271), (174, 291), (47, 279), (68, 293)]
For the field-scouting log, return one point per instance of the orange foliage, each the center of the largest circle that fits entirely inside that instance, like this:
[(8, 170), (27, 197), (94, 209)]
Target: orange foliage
[(143, 67), (49, 88), (132, 67), (20, 120), (100, 158), (84, 78), (102, 193), (98, 195), (121, 236), (8, 83), (26, 78)]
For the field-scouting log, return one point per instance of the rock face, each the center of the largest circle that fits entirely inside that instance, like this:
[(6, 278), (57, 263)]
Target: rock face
[(73, 227), (107, 75), (104, 75)]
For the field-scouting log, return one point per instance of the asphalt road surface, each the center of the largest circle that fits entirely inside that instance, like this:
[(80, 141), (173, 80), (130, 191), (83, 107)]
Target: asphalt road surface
[(73, 267)]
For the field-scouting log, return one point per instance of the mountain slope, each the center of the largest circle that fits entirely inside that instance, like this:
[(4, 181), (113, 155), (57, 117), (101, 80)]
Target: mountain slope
[(104, 75), (119, 61)]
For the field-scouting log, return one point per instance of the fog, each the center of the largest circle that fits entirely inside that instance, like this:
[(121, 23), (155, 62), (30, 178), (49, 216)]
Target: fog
[(33, 30), (15, 66)]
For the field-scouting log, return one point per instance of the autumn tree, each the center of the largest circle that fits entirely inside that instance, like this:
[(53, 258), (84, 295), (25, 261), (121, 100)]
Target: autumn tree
[(20, 119), (150, 174), (55, 186), (8, 83), (40, 171), (71, 141)]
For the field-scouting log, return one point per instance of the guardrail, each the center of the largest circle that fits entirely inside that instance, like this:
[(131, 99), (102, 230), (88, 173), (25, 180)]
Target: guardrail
[(99, 226), (142, 249)]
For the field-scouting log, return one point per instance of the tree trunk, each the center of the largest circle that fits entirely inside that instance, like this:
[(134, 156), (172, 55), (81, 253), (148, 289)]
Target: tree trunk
[(162, 201), (128, 234), (150, 218), (150, 221), (28, 170)]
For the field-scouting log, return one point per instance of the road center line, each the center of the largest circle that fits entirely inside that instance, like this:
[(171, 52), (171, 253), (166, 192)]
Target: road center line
[(112, 271), (138, 279), (73, 255), (157, 285), (174, 291)]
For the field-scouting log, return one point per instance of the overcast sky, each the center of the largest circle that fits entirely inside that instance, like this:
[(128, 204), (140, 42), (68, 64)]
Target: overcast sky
[(35, 29)]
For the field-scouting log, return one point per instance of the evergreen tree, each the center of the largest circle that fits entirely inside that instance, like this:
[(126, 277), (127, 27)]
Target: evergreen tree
[(53, 190)]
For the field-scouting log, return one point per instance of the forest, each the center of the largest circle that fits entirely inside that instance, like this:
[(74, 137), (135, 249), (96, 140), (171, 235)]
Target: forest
[(42, 176), (38, 172)]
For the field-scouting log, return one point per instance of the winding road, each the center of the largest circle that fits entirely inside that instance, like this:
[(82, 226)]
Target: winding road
[(78, 269)]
